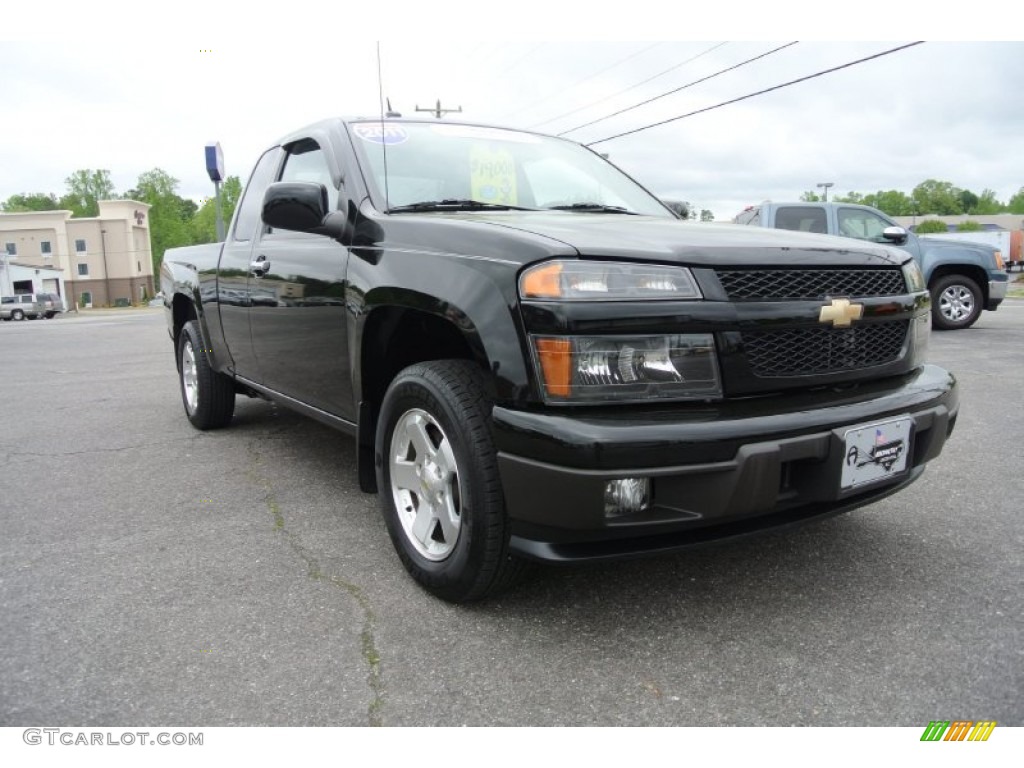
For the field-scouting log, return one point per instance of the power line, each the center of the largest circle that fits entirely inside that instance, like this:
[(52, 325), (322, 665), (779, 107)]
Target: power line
[(517, 62), (631, 87), (682, 87), (578, 83), (756, 93)]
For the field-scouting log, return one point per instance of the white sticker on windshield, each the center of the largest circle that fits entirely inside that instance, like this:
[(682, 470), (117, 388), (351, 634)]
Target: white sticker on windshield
[(378, 133), (490, 134)]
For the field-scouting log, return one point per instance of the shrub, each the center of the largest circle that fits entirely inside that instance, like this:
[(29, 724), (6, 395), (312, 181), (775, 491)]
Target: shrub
[(931, 226)]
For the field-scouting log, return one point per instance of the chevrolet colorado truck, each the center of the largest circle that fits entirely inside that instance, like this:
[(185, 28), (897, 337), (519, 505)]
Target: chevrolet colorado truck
[(962, 278), (540, 362)]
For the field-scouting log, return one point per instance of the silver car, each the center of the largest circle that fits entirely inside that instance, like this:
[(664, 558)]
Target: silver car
[(52, 304), (24, 305)]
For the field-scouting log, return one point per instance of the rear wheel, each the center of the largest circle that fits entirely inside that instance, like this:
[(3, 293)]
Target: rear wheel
[(439, 486), (208, 396), (956, 302)]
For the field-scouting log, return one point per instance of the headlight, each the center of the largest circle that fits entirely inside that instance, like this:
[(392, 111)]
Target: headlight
[(914, 277), (592, 369), (606, 281)]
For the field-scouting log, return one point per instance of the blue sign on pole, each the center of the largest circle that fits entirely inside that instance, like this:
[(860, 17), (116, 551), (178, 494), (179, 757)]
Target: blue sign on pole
[(215, 162), (215, 167)]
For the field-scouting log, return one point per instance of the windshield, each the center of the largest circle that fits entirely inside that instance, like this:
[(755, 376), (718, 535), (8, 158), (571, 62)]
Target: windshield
[(435, 162)]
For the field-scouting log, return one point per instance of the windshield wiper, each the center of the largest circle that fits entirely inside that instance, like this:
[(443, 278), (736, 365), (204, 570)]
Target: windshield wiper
[(592, 208), (455, 205)]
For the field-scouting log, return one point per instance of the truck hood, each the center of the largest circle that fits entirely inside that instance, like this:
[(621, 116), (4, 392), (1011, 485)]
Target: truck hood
[(949, 246), (646, 238)]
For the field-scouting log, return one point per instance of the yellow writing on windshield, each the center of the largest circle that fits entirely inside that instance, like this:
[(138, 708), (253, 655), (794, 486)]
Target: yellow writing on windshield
[(492, 176)]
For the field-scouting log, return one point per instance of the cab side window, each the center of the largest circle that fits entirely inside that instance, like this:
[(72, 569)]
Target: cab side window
[(863, 225), (251, 207), (306, 162)]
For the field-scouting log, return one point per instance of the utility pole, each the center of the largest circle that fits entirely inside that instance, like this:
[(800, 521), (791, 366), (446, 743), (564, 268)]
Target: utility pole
[(438, 112), (106, 270), (825, 185)]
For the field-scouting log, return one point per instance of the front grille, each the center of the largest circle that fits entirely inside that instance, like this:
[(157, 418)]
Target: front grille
[(796, 284), (810, 351)]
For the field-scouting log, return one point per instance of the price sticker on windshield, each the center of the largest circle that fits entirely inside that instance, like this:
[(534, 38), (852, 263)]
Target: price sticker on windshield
[(492, 176)]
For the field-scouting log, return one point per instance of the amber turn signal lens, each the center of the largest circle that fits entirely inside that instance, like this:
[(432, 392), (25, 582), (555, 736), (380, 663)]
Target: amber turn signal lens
[(543, 282), (556, 364)]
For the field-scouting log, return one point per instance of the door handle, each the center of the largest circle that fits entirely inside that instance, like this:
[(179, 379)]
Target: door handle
[(260, 267)]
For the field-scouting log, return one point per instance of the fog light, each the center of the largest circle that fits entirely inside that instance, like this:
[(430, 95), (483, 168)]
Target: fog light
[(626, 496)]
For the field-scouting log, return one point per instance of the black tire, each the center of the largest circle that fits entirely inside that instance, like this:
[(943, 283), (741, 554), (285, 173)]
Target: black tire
[(17, 314), (461, 552), (208, 396), (49, 315), (956, 302)]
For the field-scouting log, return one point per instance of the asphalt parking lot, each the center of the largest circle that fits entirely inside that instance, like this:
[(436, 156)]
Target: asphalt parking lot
[(152, 574)]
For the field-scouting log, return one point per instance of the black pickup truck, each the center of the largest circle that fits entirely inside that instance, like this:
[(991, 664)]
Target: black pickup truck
[(539, 361)]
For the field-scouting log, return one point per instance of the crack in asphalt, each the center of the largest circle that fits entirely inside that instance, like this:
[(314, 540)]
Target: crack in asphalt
[(9, 458), (368, 645)]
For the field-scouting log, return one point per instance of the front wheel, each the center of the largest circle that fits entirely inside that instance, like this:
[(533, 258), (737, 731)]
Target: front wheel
[(439, 486), (17, 314), (956, 302), (208, 396)]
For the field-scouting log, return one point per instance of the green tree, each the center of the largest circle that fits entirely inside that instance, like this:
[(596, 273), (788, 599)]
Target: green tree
[(85, 188), (987, 204), (30, 201), (968, 226), (168, 225), (894, 203), (706, 215), (810, 197), (853, 197), (204, 223), (1016, 203), (931, 226), (968, 201), (937, 197)]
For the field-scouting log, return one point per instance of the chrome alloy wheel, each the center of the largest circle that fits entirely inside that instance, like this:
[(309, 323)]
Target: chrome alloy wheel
[(189, 382), (956, 303), (425, 484)]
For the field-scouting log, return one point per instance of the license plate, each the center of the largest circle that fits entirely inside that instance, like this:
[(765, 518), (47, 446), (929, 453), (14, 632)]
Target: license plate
[(875, 452)]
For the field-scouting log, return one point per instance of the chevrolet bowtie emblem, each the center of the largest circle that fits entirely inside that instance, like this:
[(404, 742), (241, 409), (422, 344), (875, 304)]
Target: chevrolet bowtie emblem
[(841, 313)]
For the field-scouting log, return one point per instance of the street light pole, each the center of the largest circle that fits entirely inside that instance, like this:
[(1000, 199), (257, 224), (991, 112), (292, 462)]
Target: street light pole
[(825, 185)]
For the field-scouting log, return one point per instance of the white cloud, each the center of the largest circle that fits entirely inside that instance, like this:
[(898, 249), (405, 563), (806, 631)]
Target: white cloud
[(941, 110)]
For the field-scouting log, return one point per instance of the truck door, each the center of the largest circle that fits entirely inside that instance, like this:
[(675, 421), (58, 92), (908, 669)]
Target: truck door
[(297, 310), (230, 291)]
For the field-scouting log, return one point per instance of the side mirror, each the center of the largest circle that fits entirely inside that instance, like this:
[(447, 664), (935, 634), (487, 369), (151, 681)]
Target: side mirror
[(301, 206), (895, 234), (296, 205)]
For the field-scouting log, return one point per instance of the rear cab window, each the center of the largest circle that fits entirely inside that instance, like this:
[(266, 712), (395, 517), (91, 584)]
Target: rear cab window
[(802, 219)]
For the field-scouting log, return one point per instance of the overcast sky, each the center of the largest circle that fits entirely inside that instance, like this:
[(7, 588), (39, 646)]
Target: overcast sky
[(946, 110)]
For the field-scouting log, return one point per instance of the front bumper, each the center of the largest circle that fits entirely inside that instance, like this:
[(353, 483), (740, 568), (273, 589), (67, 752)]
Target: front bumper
[(997, 292), (717, 471)]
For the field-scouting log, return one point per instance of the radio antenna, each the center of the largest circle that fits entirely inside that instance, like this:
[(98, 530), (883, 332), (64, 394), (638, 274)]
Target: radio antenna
[(383, 136)]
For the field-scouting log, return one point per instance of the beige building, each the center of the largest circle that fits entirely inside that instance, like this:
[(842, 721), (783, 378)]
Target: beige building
[(103, 260)]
